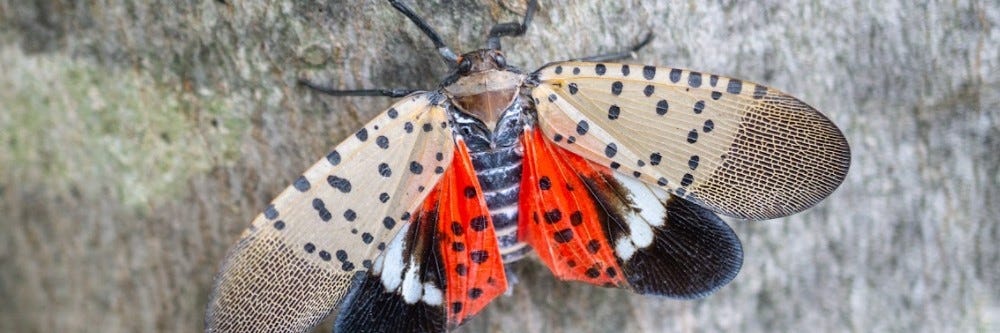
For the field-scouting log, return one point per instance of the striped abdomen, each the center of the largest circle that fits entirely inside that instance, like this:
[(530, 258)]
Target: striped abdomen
[(499, 174)]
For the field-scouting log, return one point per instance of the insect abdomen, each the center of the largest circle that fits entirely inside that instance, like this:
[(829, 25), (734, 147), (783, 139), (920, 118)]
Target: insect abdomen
[(499, 174)]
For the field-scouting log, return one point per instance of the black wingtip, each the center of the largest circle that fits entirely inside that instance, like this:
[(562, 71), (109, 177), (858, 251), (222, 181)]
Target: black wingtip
[(694, 254)]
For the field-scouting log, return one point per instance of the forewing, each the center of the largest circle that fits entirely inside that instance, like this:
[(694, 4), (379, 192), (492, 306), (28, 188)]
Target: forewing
[(592, 224), (736, 147), (445, 269), (296, 261)]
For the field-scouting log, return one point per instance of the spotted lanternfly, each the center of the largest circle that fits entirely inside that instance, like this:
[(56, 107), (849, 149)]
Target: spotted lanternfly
[(612, 173)]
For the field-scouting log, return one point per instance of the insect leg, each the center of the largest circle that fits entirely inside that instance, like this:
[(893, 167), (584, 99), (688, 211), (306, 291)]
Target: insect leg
[(449, 57), (621, 55), (511, 29), (357, 92)]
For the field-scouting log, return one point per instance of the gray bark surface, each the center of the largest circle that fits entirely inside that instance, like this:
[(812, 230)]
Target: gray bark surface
[(138, 139)]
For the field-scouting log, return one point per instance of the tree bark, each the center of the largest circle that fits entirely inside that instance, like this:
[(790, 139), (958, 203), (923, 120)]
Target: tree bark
[(138, 139)]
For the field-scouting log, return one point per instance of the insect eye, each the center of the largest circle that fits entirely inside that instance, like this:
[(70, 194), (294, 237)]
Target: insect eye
[(500, 60), (464, 66)]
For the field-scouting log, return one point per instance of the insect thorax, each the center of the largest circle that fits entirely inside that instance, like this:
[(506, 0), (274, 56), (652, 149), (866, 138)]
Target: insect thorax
[(487, 109)]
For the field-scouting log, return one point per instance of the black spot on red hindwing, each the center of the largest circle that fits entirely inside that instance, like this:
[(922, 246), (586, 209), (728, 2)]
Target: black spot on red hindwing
[(456, 228), (544, 183), (593, 246), (553, 216), (576, 218), (475, 293), (479, 256), (479, 223), (593, 272), (563, 236), (460, 269), (458, 246), (470, 192)]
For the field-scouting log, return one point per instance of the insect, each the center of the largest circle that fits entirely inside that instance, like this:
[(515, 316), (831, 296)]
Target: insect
[(612, 174)]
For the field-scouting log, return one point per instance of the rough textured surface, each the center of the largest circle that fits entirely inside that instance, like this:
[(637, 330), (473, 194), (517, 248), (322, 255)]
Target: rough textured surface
[(138, 139)]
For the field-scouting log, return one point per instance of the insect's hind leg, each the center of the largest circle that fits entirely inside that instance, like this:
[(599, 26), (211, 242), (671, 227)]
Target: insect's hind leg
[(621, 55)]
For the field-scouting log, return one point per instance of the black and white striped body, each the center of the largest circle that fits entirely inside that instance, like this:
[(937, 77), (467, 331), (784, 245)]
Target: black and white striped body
[(496, 156)]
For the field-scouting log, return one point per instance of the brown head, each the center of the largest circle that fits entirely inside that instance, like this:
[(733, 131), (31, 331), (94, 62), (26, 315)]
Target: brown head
[(483, 85)]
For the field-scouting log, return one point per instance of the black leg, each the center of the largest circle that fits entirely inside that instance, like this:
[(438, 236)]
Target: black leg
[(357, 92), (511, 29), (621, 55), (449, 57)]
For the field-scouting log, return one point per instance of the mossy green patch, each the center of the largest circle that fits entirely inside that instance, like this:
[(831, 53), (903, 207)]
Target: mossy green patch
[(82, 129)]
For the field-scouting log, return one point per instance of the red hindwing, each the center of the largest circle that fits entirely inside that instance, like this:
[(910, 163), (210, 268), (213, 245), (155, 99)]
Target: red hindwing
[(559, 217), (474, 272)]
